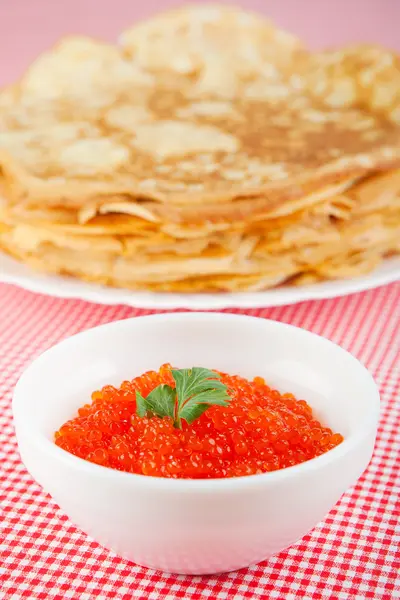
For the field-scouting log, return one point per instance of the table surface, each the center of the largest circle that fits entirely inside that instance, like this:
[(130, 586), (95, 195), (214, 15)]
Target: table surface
[(353, 554)]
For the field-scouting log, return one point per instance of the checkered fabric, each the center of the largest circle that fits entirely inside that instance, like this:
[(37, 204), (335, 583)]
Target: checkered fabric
[(353, 554)]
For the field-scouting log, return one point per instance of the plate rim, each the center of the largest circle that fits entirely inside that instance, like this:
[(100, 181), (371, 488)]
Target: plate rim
[(19, 274)]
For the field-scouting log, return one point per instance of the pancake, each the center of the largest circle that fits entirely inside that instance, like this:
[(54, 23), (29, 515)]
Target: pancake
[(208, 150), (339, 236)]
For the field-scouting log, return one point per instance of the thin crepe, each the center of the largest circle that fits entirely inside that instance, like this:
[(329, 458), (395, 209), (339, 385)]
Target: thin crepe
[(208, 150)]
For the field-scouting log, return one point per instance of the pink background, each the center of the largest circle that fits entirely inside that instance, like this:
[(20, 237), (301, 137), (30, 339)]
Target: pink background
[(29, 26)]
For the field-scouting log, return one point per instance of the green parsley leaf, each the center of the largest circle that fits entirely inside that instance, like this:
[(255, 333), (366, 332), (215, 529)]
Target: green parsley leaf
[(193, 381), (160, 402), (191, 412), (196, 390), (141, 406), (194, 408)]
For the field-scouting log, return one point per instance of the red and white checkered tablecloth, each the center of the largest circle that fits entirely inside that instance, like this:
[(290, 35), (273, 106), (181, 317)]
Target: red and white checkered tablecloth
[(353, 554)]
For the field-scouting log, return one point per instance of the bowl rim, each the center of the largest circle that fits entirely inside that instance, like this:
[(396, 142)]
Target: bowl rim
[(367, 425)]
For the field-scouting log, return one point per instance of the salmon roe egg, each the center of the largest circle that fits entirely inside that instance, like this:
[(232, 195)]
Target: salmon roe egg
[(260, 430)]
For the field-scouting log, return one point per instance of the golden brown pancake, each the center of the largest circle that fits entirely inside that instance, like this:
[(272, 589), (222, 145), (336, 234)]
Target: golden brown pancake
[(207, 151)]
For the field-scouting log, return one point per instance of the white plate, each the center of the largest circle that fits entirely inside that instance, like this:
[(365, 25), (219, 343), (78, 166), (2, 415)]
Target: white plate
[(64, 287)]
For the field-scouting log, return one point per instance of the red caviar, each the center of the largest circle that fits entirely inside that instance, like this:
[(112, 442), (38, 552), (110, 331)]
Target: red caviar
[(261, 430)]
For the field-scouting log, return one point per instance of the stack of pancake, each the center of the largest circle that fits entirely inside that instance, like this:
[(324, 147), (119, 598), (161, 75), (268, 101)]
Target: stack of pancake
[(206, 151)]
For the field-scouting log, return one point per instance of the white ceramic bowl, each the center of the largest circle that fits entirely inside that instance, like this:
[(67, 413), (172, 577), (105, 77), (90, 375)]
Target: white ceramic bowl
[(196, 526)]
